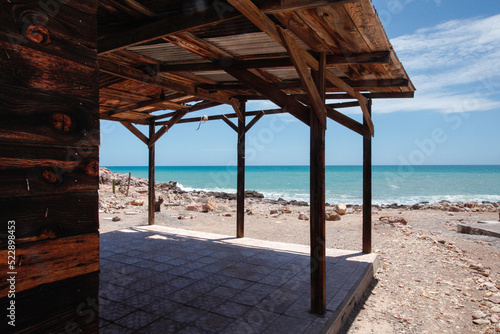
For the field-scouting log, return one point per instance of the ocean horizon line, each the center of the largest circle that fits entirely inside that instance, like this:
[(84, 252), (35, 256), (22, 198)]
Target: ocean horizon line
[(374, 165)]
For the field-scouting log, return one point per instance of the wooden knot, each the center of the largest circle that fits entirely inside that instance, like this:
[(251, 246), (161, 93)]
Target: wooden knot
[(92, 168), (62, 122), (34, 25), (50, 176), (37, 34), (48, 232)]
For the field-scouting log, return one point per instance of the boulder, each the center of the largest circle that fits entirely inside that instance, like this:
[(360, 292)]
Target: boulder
[(136, 202), (197, 207), (342, 209), (334, 216), (303, 216)]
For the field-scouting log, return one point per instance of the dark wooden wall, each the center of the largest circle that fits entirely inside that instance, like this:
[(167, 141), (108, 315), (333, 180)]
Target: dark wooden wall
[(49, 137)]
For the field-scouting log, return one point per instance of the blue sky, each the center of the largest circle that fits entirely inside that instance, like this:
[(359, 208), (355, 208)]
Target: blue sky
[(451, 51)]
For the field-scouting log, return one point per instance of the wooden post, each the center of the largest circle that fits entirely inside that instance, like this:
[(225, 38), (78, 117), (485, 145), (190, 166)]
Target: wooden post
[(367, 190), (240, 196), (317, 189), (151, 178)]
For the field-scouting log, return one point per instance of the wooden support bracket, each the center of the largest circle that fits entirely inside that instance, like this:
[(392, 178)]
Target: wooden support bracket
[(136, 132), (254, 120), (154, 138), (228, 122), (236, 106)]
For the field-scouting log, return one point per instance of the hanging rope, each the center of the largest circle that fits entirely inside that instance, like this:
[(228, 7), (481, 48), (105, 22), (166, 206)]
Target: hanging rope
[(203, 119)]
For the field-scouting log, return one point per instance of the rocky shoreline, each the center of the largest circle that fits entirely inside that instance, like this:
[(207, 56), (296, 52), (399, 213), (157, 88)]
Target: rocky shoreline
[(173, 195)]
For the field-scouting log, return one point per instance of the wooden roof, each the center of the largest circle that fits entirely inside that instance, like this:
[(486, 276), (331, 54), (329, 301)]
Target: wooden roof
[(183, 56)]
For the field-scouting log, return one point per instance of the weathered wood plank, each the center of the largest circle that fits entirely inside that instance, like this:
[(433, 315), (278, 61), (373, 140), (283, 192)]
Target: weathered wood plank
[(65, 30), (38, 169), (40, 217), (39, 71), (52, 260), (76, 307)]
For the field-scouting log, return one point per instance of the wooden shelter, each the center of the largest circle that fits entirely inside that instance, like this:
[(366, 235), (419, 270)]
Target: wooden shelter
[(65, 65)]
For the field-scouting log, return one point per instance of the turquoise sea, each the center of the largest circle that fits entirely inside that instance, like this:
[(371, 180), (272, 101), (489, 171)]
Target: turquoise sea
[(391, 184)]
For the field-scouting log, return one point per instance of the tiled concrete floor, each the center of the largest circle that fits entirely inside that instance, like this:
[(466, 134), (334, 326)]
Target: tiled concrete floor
[(163, 280)]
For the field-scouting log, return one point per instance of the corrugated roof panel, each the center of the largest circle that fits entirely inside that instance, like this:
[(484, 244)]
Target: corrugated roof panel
[(166, 52)]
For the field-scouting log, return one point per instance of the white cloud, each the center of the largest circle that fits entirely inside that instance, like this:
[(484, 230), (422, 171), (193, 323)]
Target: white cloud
[(451, 64)]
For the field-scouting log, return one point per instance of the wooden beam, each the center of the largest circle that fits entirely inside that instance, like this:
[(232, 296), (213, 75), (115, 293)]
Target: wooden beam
[(219, 117), (136, 132), (236, 106), (198, 106), (317, 207), (218, 11), (171, 122), (254, 120), (367, 190), (252, 12), (151, 177), (293, 84), (304, 73), (265, 61), (270, 91), (137, 75), (240, 193), (342, 96), (228, 122), (347, 122), (143, 104), (363, 103)]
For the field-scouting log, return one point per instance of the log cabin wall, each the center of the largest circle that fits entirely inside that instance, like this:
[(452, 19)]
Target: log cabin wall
[(49, 138)]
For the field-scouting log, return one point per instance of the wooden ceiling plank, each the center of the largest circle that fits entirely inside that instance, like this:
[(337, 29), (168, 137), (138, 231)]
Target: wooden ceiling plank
[(139, 76), (249, 10), (208, 15), (279, 62)]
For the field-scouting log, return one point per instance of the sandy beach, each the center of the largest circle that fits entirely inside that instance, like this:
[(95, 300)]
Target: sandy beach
[(432, 278)]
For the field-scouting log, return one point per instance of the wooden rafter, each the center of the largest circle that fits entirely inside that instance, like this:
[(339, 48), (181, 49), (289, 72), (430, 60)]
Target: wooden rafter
[(140, 76), (257, 17), (305, 76), (199, 106), (265, 61)]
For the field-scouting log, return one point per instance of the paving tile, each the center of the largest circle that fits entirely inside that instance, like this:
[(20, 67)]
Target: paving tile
[(217, 279), (139, 300), (184, 295), (186, 314), (213, 322), (161, 307), (265, 289), (240, 327), (223, 292), (285, 325), (181, 282), (162, 325), (248, 298), (231, 309), (193, 330), (197, 274), (114, 329), (161, 291), (142, 285), (238, 283), (259, 318), (279, 300), (136, 320), (203, 286), (206, 302)]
